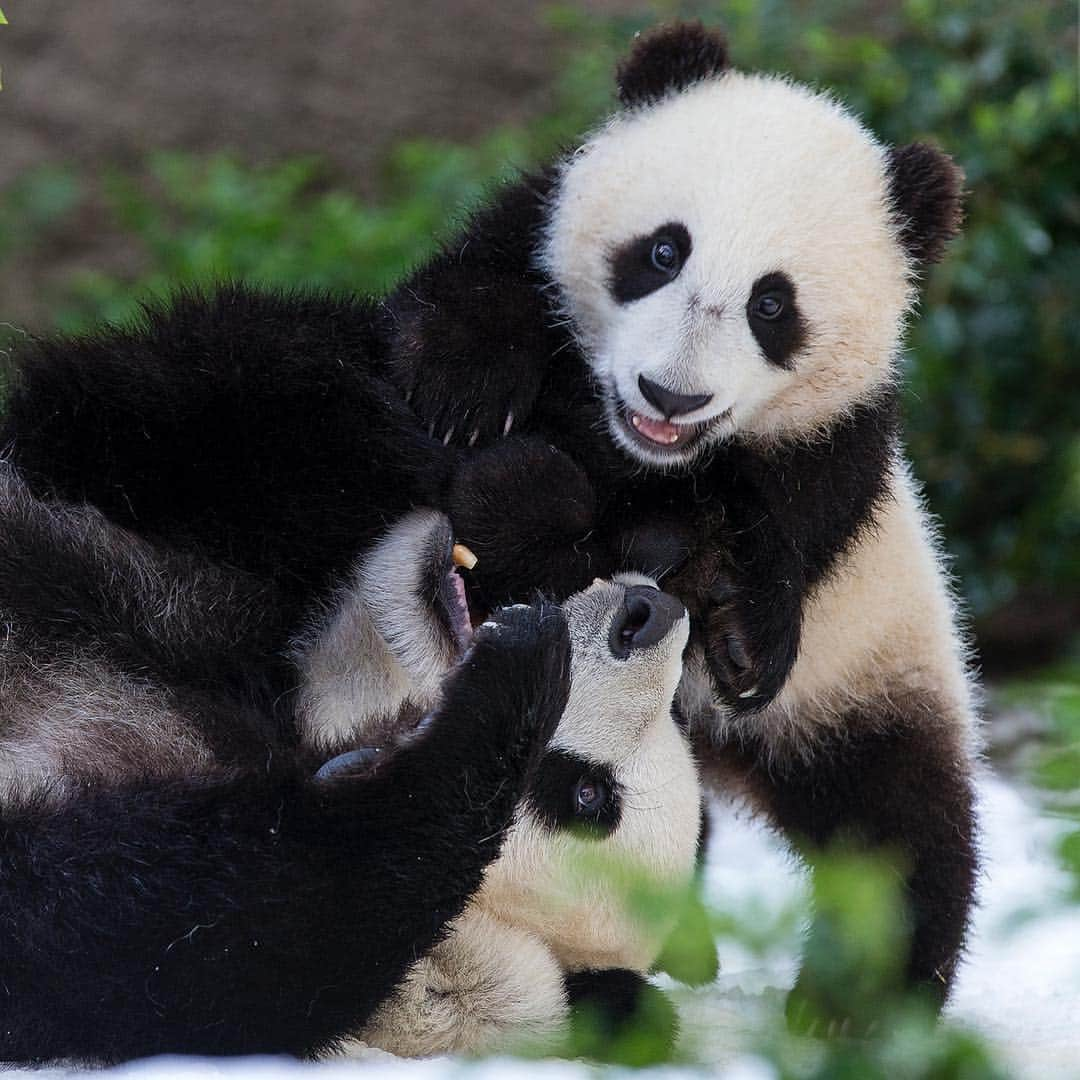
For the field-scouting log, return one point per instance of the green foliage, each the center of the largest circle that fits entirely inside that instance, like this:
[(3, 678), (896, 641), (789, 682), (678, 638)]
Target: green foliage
[(856, 958), (1054, 694), (994, 365)]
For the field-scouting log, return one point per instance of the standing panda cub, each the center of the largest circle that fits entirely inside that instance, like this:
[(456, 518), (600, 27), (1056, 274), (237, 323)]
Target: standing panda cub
[(703, 308), (616, 790)]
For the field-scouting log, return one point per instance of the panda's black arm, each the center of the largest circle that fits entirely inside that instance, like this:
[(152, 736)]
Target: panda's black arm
[(248, 422), (472, 330), (772, 525), (265, 912)]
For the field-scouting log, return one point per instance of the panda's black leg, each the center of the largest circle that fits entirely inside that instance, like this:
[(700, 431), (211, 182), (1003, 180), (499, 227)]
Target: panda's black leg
[(898, 783), (609, 1005)]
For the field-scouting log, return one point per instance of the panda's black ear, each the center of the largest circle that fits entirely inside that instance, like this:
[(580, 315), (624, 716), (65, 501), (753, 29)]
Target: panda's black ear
[(670, 58), (926, 190)]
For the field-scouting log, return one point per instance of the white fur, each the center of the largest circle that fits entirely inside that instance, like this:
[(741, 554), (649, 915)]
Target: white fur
[(490, 986), (76, 719), (378, 645), (880, 627), (547, 906), (767, 176)]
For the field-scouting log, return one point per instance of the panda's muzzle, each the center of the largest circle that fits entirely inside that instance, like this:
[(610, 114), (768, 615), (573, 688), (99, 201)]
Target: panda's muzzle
[(644, 619)]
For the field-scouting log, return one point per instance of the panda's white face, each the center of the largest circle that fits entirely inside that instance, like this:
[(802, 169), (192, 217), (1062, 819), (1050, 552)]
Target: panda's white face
[(730, 265), (619, 782), (618, 777)]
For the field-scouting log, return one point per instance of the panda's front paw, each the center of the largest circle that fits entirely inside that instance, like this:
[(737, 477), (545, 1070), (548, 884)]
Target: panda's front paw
[(474, 405), (514, 680), (529, 512), (750, 645)]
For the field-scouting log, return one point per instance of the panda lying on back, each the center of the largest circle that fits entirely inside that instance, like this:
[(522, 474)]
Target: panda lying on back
[(185, 871), (675, 350)]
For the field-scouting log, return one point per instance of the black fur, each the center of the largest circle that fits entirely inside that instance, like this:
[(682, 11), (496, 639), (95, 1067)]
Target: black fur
[(634, 273), (670, 59), (781, 336), (886, 781), (925, 186), (192, 424), (245, 907), (552, 794), (615, 1006)]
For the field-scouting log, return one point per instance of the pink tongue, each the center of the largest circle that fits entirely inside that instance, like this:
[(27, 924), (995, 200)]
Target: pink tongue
[(657, 431)]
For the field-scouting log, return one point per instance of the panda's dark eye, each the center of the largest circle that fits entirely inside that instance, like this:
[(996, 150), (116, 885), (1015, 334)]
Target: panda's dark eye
[(646, 263), (665, 256), (590, 796), (775, 319), (769, 306)]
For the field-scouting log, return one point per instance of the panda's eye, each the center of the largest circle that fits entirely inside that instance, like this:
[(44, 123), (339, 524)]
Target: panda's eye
[(769, 306), (590, 796), (665, 256)]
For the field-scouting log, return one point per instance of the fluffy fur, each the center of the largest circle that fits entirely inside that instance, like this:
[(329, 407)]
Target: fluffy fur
[(745, 245), (737, 240), (180, 876), (176, 879), (547, 916)]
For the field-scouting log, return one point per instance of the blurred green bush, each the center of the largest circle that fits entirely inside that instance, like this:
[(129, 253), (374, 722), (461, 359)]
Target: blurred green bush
[(994, 364)]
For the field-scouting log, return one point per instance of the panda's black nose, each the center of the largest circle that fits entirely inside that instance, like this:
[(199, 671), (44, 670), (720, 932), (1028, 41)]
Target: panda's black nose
[(643, 619), (667, 401)]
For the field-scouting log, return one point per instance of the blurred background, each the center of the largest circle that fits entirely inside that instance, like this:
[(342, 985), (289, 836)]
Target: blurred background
[(143, 144)]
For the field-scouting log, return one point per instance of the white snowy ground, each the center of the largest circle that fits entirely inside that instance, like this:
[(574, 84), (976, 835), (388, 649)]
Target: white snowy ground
[(1020, 985)]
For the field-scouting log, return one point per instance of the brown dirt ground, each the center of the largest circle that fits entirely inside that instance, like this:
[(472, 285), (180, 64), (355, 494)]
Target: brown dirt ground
[(91, 83)]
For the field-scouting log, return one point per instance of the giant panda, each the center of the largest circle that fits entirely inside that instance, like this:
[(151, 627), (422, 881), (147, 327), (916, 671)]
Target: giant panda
[(674, 350), (616, 792), (188, 869), (702, 307)]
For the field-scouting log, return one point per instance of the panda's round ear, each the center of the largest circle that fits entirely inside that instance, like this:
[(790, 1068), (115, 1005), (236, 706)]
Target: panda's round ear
[(926, 191), (668, 59)]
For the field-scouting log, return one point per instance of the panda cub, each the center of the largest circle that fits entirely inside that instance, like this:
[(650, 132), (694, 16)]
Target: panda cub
[(674, 350), (186, 871), (548, 927), (702, 308)]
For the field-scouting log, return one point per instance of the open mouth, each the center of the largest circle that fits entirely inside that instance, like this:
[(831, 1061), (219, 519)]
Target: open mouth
[(663, 436), (451, 596)]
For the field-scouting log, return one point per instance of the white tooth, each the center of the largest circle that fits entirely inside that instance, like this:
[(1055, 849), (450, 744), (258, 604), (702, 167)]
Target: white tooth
[(509, 422), (448, 436), (473, 437)]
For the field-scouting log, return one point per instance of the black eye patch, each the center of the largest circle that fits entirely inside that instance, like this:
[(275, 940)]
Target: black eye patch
[(775, 319), (572, 793), (647, 263)]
